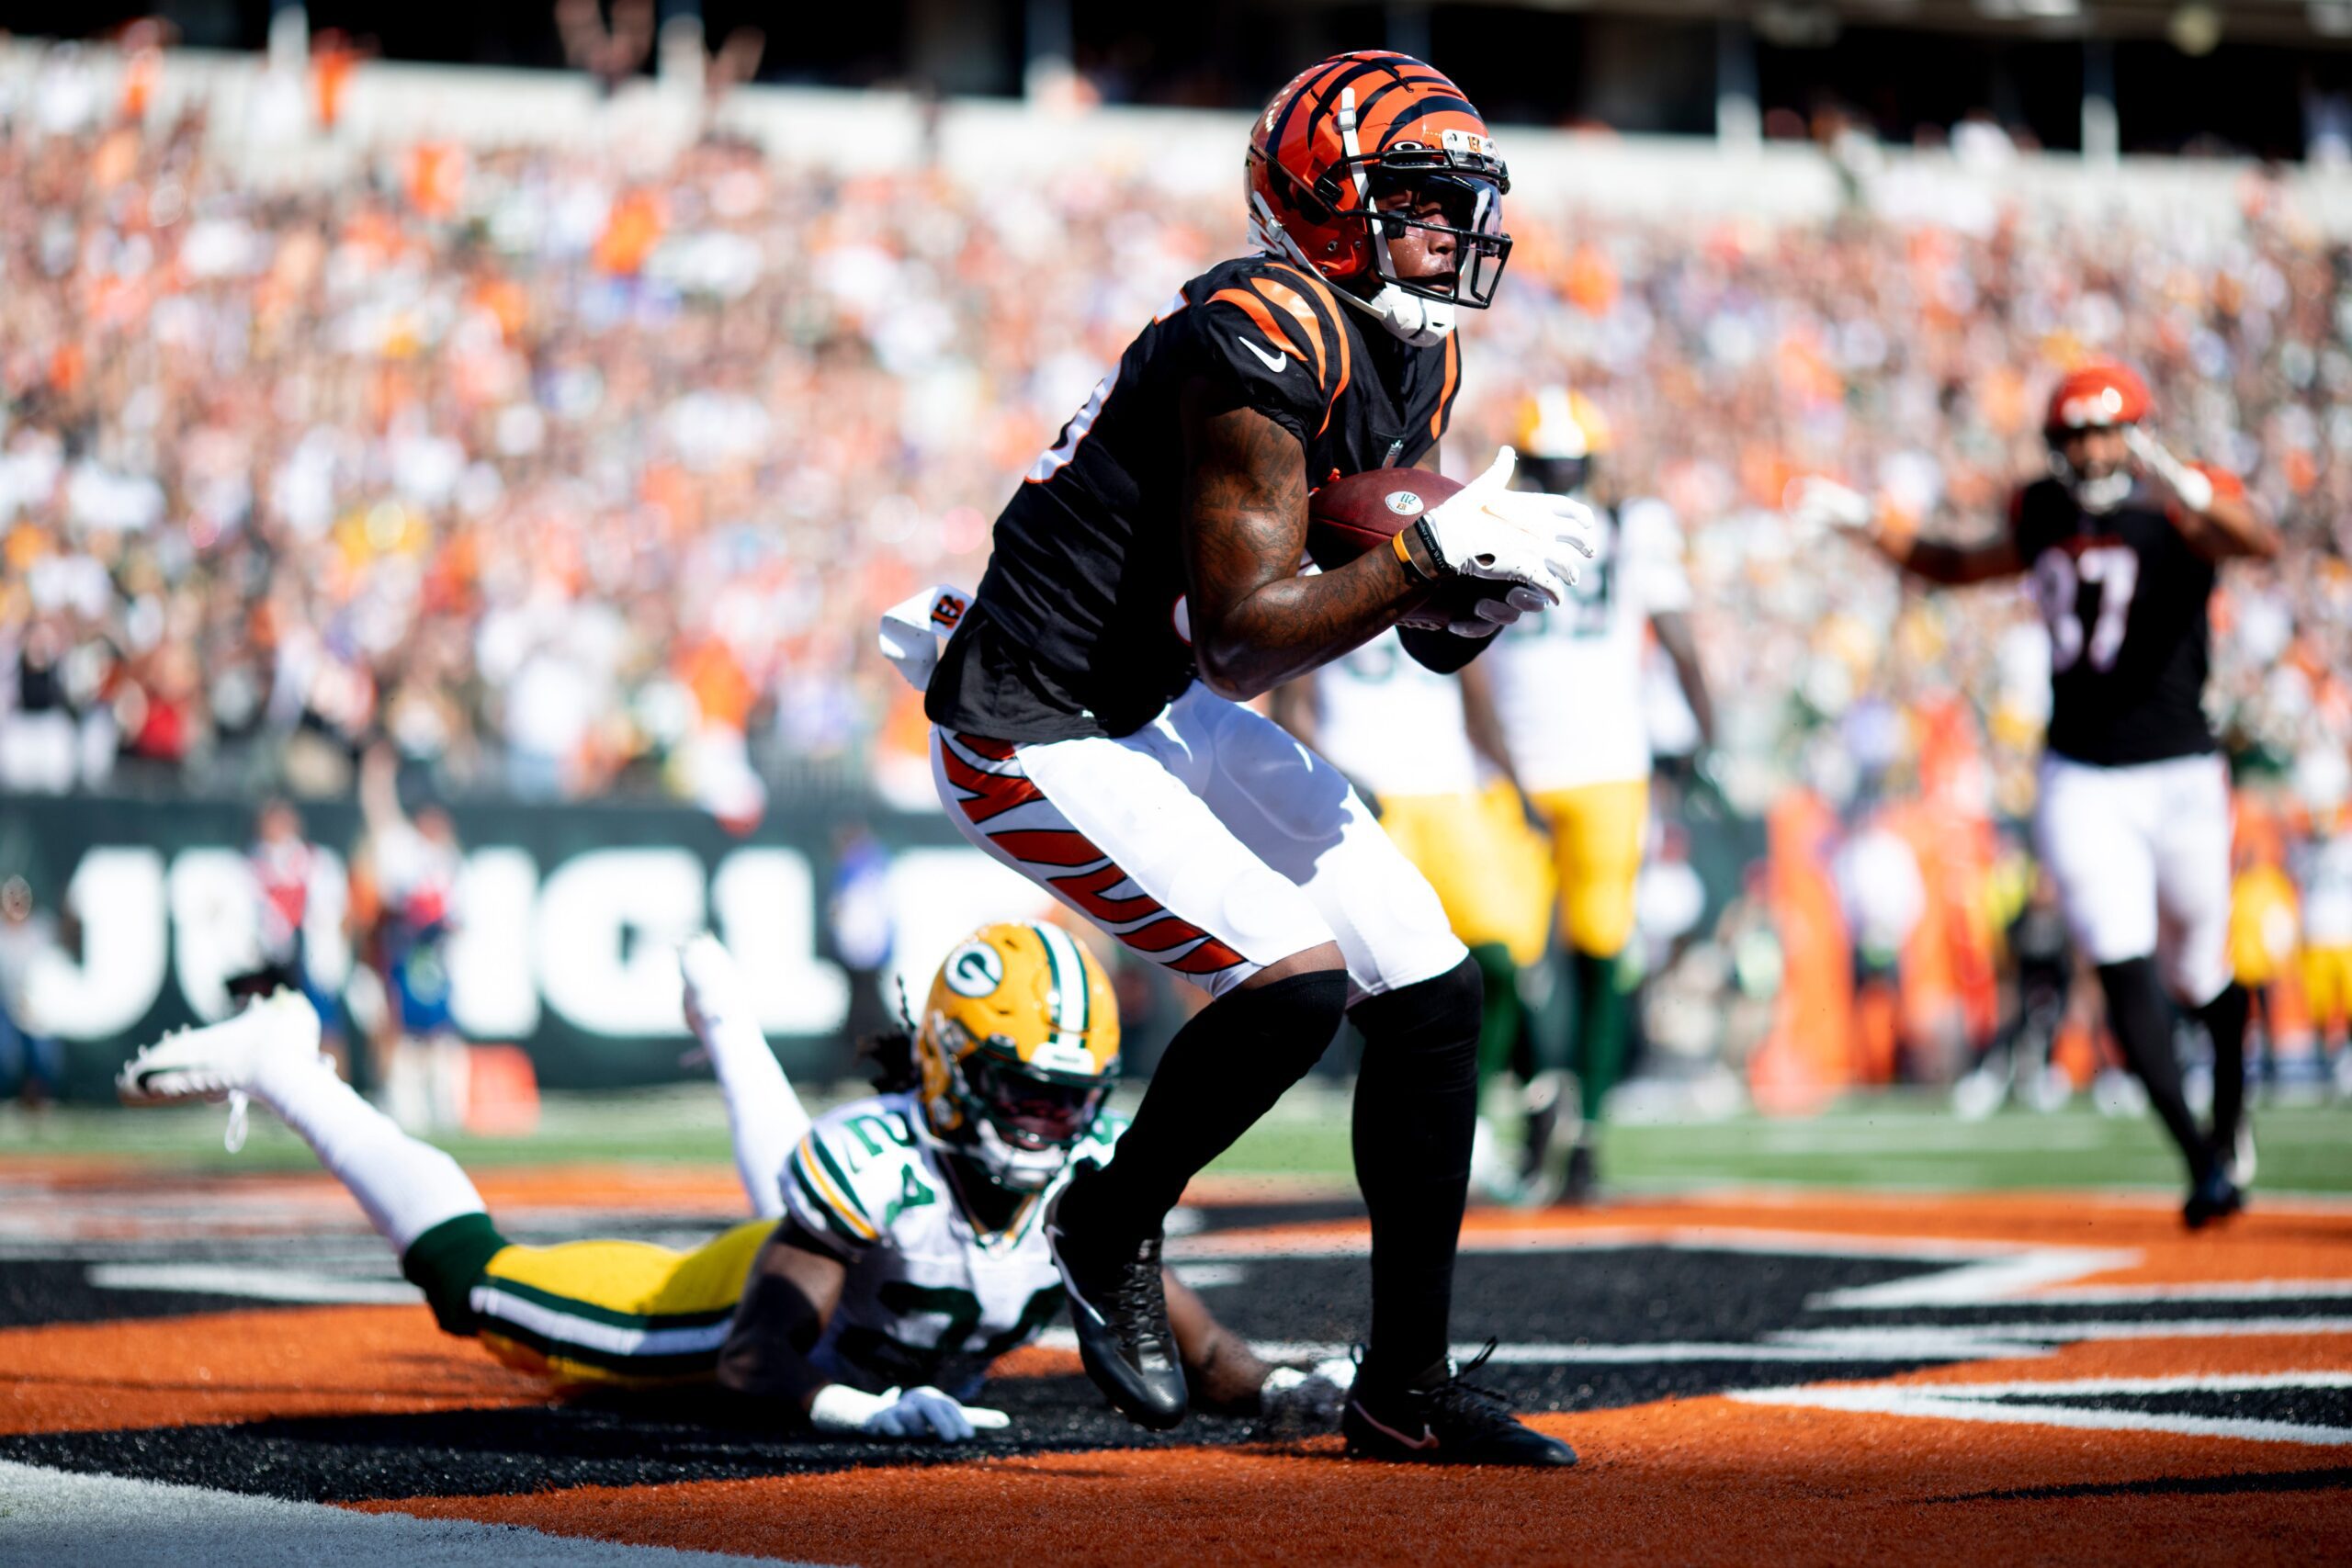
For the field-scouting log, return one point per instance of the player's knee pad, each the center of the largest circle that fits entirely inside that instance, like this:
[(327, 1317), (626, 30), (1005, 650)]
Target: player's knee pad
[(1438, 1015), (447, 1261)]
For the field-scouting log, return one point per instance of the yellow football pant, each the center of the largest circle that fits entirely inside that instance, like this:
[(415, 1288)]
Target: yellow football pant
[(2327, 984), (1487, 864), (1597, 854), (587, 1312)]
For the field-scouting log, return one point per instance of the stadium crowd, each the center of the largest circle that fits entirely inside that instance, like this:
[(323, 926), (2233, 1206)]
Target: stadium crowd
[(567, 484)]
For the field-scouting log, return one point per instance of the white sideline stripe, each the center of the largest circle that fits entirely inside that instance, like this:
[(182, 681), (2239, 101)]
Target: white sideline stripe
[(2177, 1382), (1930, 1342), (1978, 1284), (1673, 1238), (2204, 1290), (563, 1328), (261, 1284), (58, 1519), (1958, 1402)]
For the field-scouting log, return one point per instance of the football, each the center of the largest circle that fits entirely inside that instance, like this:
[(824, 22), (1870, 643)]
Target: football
[(1362, 512), (1349, 516)]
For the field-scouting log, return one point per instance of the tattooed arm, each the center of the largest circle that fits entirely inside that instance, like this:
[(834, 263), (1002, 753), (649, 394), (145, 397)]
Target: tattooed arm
[(1256, 623)]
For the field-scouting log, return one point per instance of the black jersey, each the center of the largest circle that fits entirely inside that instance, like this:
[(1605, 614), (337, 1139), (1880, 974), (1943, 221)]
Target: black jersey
[(2124, 598), (1078, 627)]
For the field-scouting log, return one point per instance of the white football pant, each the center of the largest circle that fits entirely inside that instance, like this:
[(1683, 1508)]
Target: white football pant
[(1209, 841), (2141, 858)]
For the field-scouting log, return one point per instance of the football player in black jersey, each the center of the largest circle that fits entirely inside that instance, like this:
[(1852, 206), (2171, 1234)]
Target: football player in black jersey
[(1089, 732), (2121, 541)]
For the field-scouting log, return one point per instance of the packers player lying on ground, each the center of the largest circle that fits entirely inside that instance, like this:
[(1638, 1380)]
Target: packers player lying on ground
[(898, 1252)]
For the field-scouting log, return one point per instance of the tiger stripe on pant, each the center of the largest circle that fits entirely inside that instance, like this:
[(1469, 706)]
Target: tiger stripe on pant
[(1209, 841)]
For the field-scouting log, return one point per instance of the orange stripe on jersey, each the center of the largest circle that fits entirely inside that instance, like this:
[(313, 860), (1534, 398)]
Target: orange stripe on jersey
[(1453, 373), (1322, 292), (1286, 297), (1252, 307)]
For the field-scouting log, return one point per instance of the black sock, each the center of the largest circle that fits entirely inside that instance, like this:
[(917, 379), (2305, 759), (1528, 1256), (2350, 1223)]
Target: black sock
[(1416, 1104), (2225, 1018), (1223, 1071), (2137, 1010)]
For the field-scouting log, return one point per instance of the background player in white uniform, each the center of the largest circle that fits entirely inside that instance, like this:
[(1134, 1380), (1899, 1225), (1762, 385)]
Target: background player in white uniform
[(1406, 736), (899, 1253), (2123, 541), (1567, 695), (2326, 881)]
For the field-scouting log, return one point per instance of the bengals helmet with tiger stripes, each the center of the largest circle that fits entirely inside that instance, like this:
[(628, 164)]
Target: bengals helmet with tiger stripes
[(1361, 127)]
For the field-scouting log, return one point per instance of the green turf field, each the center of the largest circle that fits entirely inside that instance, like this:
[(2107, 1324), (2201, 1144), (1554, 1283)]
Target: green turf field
[(1889, 1141)]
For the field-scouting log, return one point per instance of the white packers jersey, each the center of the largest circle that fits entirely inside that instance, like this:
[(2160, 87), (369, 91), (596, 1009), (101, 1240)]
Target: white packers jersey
[(1568, 681), (1392, 725), (2327, 892), (929, 1299)]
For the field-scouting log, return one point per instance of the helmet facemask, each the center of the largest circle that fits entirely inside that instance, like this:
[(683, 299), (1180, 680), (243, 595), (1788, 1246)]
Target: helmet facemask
[(1465, 181), (1022, 1125), (2095, 493)]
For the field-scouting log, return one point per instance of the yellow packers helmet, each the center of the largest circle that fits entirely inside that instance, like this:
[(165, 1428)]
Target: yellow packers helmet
[(1018, 1048), (1558, 433)]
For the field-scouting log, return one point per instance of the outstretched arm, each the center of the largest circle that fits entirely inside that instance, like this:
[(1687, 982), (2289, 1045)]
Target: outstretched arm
[(1955, 566), (788, 1297), (1256, 622), (2210, 505), (1826, 504), (1674, 635)]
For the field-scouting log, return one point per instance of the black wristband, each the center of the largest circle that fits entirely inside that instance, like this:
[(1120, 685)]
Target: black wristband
[(1427, 535)]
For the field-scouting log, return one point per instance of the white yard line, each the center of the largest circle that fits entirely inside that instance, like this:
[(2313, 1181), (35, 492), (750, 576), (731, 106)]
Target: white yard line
[(1966, 1401), (53, 1518)]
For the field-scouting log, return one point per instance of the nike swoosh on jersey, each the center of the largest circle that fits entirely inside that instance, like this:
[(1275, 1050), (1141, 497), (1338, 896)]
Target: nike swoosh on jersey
[(1277, 363)]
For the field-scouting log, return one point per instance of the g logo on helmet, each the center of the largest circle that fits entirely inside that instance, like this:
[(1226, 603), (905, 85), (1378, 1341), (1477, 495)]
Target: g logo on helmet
[(975, 969), (1403, 502)]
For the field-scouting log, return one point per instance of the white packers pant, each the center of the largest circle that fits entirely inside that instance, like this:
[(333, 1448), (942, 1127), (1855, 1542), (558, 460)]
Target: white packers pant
[(2141, 858), (1209, 841)]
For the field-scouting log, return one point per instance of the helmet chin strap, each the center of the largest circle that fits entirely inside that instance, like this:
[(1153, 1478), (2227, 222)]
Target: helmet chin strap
[(1420, 322)]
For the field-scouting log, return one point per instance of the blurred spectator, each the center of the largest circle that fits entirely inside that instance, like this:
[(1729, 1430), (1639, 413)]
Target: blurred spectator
[(564, 481), (414, 866), (32, 1062)]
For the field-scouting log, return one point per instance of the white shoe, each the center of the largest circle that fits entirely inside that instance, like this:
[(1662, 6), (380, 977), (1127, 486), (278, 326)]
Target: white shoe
[(219, 1059), (1488, 1172), (2049, 1091), (2240, 1163), (2118, 1093), (2342, 1072), (1978, 1095)]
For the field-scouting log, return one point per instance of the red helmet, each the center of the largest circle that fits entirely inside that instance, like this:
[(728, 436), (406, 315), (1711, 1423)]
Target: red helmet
[(2096, 397), (1362, 126)]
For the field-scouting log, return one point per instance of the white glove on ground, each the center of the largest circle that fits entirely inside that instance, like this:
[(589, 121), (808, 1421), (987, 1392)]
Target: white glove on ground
[(1486, 530), (2196, 492), (1308, 1401), (917, 1413), (1816, 503)]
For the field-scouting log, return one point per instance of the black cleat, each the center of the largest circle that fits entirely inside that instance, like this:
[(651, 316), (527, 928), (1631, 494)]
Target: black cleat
[(2215, 1197), (1438, 1419), (1120, 1310)]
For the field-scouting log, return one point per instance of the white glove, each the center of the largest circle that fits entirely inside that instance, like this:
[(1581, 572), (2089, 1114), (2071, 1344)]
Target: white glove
[(915, 1413), (1307, 1401), (1486, 530), (2196, 492), (1815, 502)]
